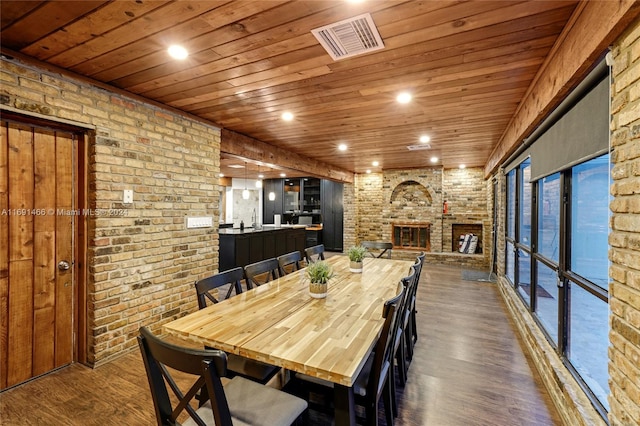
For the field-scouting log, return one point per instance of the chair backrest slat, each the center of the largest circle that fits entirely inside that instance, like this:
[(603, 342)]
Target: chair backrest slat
[(262, 272), (385, 247), (289, 261), (314, 253), (232, 277)]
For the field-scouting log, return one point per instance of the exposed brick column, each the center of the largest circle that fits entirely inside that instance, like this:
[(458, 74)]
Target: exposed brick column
[(624, 240)]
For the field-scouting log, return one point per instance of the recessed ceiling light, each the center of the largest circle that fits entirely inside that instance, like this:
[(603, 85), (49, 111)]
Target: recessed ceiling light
[(462, 166), (261, 176), (425, 139), (375, 164), (221, 175), (283, 174), (342, 147), (434, 159), (404, 97), (178, 52), (287, 116), (368, 171)]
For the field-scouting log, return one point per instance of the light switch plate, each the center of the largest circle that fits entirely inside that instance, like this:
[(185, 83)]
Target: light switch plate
[(199, 222), (127, 197)]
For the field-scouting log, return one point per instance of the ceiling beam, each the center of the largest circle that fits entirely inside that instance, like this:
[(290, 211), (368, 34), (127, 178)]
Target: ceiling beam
[(594, 26), (243, 146)]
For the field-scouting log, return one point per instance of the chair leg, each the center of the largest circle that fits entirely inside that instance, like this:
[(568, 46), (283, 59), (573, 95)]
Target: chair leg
[(394, 402), (408, 344), (388, 402), (414, 327), (401, 360)]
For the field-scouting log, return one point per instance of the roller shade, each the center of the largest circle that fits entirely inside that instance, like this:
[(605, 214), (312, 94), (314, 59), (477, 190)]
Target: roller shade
[(582, 133), (576, 131)]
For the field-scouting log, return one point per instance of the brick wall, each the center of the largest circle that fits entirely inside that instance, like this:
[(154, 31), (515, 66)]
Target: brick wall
[(142, 265), (624, 240), (416, 195)]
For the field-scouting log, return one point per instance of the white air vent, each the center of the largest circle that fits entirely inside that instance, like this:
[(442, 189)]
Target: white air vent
[(351, 37), (418, 147)]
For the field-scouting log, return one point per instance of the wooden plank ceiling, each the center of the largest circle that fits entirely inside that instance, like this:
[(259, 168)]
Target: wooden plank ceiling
[(466, 64)]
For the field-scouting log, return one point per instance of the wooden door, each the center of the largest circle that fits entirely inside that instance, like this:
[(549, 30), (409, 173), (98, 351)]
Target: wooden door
[(37, 214)]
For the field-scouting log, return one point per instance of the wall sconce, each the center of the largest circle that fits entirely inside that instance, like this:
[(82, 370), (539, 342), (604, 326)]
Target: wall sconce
[(272, 196)]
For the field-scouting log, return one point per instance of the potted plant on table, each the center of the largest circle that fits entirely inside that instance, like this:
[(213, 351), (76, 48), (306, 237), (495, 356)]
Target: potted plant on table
[(356, 255), (319, 275)]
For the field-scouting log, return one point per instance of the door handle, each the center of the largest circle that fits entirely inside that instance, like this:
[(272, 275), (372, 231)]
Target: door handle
[(64, 265)]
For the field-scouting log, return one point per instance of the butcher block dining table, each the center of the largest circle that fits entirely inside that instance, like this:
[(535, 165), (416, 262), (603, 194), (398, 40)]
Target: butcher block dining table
[(281, 324)]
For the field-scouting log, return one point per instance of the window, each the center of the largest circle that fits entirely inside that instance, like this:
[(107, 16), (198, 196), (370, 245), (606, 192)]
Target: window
[(590, 219), (511, 226), (549, 217), (558, 262)]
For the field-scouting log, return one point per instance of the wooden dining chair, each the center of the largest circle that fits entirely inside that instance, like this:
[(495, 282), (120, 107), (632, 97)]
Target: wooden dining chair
[(239, 401), (238, 366), (314, 253), (206, 286), (413, 336), (378, 248), (404, 320), (374, 381), (289, 262), (261, 272)]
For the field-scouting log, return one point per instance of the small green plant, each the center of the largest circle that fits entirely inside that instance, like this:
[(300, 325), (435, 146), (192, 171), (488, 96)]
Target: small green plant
[(356, 253), (319, 272)]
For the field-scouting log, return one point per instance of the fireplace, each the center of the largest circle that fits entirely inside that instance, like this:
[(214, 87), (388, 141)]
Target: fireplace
[(411, 236), (458, 229)]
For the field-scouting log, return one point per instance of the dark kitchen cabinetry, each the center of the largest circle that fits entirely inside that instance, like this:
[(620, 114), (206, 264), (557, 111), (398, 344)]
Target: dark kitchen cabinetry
[(240, 248), (332, 214), (311, 195), (275, 206), (321, 203)]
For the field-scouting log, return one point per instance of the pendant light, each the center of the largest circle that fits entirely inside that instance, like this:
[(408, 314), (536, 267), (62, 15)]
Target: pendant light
[(245, 191)]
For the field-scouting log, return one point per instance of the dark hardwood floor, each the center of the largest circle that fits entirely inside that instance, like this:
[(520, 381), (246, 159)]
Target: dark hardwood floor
[(469, 369)]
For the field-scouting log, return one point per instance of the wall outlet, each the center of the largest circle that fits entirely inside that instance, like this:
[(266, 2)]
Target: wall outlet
[(127, 197)]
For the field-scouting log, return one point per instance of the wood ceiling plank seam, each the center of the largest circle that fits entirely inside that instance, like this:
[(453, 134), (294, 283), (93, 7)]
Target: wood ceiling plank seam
[(481, 20), (346, 82), (508, 62), (468, 70), (100, 21), (143, 26), (42, 20), (218, 24), (200, 82), (181, 103), (526, 28), (286, 44), (230, 60), (312, 98), (286, 33), (14, 11), (347, 95)]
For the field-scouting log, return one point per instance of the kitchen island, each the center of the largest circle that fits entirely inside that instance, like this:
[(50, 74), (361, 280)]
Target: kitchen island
[(242, 247)]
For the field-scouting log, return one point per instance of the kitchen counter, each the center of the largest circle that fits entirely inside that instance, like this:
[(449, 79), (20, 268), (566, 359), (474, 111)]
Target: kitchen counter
[(265, 228), (240, 248)]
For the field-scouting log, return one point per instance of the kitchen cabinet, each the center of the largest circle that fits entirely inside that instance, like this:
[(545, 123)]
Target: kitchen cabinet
[(275, 206), (240, 248), (332, 214)]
